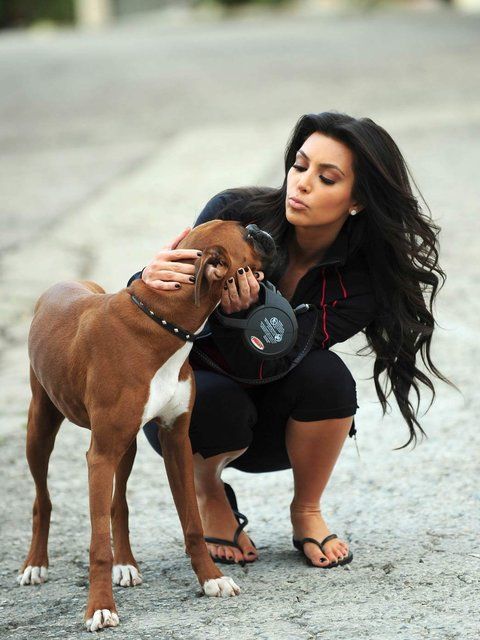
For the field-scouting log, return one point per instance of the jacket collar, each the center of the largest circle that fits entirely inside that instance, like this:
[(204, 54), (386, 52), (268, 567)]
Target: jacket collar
[(345, 245), (347, 242), (337, 252)]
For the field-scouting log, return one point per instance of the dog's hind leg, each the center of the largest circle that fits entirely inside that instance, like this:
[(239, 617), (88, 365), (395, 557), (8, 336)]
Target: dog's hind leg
[(44, 420), (125, 569)]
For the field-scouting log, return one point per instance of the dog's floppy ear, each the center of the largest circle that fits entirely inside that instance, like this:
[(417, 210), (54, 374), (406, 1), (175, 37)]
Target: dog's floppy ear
[(211, 267)]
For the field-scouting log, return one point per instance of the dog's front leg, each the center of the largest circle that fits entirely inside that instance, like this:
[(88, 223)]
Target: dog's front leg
[(178, 457), (125, 568), (102, 461)]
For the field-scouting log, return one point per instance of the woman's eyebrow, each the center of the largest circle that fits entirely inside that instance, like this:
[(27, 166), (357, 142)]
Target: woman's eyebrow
[(321, 164)]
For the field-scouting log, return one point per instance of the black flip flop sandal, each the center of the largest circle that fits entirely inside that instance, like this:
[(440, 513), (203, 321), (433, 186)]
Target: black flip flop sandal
[(299, 544), (242, 523)]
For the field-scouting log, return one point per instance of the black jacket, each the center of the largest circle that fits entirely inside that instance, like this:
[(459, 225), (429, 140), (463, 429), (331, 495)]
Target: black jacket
[(339, 285)]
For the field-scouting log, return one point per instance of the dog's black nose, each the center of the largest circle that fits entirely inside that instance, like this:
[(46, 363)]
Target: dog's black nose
[(262, 241)]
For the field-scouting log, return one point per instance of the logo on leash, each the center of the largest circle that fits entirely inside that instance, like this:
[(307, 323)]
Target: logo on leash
[(257, 343)]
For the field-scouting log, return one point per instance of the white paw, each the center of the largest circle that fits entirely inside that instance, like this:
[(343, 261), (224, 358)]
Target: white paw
[(102, 618), (33, 575), (220, 587), (126, 575)]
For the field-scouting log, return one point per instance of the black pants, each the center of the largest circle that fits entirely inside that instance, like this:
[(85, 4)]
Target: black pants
[(227, 417)]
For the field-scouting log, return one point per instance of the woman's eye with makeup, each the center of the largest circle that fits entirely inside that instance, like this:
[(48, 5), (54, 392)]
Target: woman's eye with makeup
[(322, 178), (327, 180)]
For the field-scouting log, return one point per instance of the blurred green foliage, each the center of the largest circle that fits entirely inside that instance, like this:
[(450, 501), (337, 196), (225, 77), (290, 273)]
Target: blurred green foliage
[(23, 13), (240, 3)]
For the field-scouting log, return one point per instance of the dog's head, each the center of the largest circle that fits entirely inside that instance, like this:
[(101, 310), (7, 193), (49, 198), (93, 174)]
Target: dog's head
[(226, 246)]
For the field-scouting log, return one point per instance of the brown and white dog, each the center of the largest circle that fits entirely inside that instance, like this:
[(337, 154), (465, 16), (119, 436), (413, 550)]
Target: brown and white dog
[(98, 360)]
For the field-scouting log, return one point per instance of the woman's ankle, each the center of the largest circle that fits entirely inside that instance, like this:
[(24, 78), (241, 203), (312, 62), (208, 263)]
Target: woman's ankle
[(210, 490), (299, 507)]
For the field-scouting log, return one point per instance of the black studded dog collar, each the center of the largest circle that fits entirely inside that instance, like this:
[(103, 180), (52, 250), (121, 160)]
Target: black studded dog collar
[(173, 328)]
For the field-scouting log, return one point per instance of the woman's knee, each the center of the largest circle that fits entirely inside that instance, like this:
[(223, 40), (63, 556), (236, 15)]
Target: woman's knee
[(323, 380), (219, 399), (223, 415)]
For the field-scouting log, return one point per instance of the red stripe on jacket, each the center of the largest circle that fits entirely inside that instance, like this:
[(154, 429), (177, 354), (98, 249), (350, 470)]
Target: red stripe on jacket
[(344, 291), (324, 307)]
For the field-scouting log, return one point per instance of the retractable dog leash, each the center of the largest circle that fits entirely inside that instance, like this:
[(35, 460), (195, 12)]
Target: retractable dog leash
[(270, 329)]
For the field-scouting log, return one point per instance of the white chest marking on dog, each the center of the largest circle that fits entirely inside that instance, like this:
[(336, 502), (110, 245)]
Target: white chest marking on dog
[(168, 397)]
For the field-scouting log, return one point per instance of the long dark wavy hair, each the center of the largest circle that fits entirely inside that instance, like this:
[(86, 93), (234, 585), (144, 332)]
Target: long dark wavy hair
[(400, 243)]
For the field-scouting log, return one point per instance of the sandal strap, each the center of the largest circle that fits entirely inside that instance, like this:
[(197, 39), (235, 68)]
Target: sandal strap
[(231, 497), (221, 541), (313, 541), (330, 537), (243, 521)]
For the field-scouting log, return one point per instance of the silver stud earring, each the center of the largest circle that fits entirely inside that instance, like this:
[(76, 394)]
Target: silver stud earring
[(353, 212)]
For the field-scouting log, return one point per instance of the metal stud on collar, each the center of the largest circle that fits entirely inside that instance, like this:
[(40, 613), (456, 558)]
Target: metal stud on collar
[(178, 331)]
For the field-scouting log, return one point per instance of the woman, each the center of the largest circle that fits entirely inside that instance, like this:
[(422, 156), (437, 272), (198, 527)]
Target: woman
[(352, 240)]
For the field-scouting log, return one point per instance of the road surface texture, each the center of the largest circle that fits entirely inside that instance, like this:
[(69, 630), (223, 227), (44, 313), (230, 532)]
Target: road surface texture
[(111, 143)]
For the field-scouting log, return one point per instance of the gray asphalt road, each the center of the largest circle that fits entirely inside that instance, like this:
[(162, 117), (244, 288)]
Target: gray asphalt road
[(111, 143), (79, 111)]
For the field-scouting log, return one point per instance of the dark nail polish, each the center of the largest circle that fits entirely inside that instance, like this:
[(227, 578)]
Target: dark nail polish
[(192, 278), (247, 269), (177, 286), (240, 271), (225, 286), (230, 280), (199, 253), (257, 275)]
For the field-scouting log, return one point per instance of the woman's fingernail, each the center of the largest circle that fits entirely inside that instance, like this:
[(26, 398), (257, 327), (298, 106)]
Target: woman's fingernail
[(225, 286), (199, 253), (230, 280), (240, 271), (177, 286), (192, 278), (257, 275), (247, 269)]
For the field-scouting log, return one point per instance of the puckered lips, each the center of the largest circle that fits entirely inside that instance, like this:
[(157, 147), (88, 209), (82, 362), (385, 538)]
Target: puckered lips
[(296, 203)]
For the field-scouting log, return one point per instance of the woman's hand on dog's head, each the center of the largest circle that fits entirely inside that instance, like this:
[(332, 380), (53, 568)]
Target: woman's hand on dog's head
[(164, 273)]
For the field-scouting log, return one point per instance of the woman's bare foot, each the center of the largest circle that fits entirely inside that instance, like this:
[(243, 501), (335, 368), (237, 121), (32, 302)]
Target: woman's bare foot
[(219, 521), (308, 522)]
